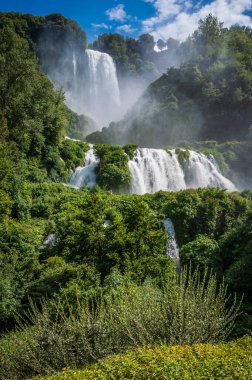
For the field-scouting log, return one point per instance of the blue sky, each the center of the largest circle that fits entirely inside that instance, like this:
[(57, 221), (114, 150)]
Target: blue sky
[(162, 18)]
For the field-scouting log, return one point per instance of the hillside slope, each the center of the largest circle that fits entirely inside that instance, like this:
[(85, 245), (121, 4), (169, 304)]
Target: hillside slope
[(209, 97)]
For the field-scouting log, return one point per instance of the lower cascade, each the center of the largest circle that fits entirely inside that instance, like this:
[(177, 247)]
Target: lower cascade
[(172, 249), (156, 169), (86, 175)]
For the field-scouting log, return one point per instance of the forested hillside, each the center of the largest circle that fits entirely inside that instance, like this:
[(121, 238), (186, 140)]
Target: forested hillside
[(208, 97)]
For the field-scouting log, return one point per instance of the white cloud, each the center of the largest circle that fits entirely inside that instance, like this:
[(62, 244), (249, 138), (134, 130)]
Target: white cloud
[(179, 18), (101, 26), (117, 14), (125, 28), (164, 10)]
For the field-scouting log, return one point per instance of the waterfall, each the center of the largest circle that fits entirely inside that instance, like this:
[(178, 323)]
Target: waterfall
[(102, 89), (155, 169), (172, 249), (74, 65), (86, 175)]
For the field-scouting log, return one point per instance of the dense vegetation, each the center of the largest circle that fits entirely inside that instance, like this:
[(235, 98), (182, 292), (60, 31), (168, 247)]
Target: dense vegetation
[(124, 315), (113, 172), (87, 235), (47, 35), (132, 57), (33, 116), (49, 40), (138, 57)]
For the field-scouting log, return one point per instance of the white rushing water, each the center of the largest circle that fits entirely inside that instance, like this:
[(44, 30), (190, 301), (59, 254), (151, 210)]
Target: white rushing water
[(155, 169), (74, 61), (102, 89), (91, 88), (172, 249), (86, 175)]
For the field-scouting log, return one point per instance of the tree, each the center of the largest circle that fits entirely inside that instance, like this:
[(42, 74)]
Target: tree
[(161, 44), (33, 115), (146, 45), (172, 44), (200, 253), (209, 36)]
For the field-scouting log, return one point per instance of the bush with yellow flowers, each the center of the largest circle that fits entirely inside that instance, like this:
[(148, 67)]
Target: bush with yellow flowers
[(229, 361)]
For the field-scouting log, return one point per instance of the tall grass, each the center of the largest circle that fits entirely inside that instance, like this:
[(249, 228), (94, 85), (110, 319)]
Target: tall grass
[(185, 310)]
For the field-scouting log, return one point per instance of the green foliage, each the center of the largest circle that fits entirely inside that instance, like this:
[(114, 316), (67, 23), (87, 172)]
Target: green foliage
[(6, 204), (113, 168), (106, 235), (183, 156), (129, 315), (236, 246), (79, 126), (131, 56), (19, 243), (209, 37), (60, 280), (103, 232), (53, 30), (209, 212), (200, 252), (73, 153), (99, 259), (33, 116), (226, 360), (29, 25), (130, 150)]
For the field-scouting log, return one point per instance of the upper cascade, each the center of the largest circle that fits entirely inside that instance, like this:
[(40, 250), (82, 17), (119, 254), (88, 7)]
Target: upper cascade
[(102, 88), (156, 169)]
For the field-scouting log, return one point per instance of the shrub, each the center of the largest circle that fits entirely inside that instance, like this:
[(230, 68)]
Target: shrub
[(200, 252), (181, 312), (130, 150), (232, 361), (113, 169), (73, 153)]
